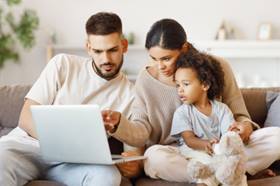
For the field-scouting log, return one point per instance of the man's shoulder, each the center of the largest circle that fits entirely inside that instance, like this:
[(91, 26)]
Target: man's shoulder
[(68, 58)]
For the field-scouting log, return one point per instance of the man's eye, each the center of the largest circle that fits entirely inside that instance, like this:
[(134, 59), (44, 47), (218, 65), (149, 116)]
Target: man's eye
[(113, 50), (97, 51), (186, 84)]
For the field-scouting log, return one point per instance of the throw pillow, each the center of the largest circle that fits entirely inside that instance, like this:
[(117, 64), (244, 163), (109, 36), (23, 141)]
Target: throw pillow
[(273, 106)]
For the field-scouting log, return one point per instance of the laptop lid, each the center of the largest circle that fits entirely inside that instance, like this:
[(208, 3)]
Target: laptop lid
[(72, 133)]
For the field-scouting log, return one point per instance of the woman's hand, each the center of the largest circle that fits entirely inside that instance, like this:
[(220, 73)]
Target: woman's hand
[(244, 129), (133, 168), (111, 120)]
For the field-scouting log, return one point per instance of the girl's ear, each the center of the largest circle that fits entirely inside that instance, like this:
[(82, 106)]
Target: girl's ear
[(205, 86)]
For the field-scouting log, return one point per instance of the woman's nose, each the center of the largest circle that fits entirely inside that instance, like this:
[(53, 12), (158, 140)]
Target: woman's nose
[(161, 66)]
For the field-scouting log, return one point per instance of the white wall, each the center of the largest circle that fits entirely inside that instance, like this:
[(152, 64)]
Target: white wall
[(200, 18)]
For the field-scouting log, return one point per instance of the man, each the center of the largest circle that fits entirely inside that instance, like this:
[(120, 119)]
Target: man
[(69, 79)]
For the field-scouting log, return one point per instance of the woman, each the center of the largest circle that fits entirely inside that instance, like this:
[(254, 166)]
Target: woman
[(157, 99)]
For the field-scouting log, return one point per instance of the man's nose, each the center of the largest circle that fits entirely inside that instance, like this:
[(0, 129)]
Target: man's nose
[(106, 57)]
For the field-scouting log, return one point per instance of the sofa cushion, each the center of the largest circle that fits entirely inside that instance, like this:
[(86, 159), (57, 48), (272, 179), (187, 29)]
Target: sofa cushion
[(273, 114), (43, 183), (12, 98), (255, 100)]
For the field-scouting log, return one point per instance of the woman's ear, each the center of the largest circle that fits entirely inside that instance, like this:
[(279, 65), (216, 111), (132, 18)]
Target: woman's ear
[(124, 45), (185, 47)]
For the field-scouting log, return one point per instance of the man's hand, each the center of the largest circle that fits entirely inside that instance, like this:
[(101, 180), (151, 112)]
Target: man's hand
[(244, 129), (131, 169), (111, 120)]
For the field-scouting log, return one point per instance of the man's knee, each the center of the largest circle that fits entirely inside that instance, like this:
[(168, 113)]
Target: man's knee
[(104, 175), (7, 166)]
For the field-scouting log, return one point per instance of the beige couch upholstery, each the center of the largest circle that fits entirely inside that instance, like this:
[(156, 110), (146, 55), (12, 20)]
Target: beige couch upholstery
[(11, 101)]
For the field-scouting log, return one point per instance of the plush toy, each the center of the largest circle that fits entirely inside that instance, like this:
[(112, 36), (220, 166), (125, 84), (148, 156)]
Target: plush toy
[(228, 162), (226, 166)]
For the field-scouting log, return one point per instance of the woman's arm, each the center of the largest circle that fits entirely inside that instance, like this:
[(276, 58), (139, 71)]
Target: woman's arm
[(233, 98)]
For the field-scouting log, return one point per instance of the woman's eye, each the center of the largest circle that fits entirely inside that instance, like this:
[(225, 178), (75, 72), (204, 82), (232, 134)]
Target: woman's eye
[(166, 59)]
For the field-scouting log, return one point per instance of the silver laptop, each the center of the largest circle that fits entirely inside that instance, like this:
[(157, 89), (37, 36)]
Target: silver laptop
[(75, 134)]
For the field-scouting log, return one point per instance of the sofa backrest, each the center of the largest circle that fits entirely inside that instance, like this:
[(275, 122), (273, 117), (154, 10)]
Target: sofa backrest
[(255, 100), (12, 98), (11, 101)]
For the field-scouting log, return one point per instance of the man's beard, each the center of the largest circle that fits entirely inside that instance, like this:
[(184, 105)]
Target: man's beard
[(110, 75)]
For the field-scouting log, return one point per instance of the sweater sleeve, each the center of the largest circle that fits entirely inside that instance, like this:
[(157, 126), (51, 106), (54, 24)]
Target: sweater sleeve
[(135, 131), (232, 96)]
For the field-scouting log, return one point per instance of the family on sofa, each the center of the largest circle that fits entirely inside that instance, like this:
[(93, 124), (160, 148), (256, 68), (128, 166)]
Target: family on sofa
[(140, 116)]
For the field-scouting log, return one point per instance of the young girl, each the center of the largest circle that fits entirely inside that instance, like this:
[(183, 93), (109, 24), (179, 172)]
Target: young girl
[(201, 120)]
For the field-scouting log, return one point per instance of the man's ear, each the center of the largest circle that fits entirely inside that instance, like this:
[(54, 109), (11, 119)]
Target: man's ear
[(87, 45), (124, 45)]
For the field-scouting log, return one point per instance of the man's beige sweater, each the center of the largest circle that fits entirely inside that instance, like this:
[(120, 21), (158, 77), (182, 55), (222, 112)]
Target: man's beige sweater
[(155, 104)]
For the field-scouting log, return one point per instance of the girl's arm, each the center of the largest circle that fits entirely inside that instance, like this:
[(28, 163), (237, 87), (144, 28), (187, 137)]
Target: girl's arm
[(198, 144)]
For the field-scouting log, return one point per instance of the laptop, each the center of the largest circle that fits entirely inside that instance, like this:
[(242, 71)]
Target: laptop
[(74, 134)]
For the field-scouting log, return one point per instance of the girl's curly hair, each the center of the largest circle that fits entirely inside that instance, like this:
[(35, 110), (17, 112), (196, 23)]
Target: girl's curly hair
[(208, 69)]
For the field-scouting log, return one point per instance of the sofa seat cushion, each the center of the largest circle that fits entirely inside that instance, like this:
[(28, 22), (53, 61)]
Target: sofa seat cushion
[(152, 182), (43, 183)]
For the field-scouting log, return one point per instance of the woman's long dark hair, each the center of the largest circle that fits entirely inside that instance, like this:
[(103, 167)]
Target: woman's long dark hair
[(168, 34)]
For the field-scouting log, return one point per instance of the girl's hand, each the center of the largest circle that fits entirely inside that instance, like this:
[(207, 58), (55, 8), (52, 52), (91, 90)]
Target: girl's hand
[(209, 146)]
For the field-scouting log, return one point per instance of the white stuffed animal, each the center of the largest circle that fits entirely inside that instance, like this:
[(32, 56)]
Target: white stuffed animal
[(228, 162), (226, 166)]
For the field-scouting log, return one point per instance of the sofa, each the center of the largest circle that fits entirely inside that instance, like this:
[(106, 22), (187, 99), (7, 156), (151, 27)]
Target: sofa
[(11, 101)]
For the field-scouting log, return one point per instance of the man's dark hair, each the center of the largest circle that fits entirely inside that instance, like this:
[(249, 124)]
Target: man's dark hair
[(104, 23), (208, 69)]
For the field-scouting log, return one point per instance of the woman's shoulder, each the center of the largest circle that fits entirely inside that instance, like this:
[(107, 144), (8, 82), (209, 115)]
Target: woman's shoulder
[(145, 77)]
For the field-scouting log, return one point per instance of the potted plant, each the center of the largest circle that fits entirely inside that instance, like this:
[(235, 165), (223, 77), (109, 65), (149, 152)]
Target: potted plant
[(15, 30)]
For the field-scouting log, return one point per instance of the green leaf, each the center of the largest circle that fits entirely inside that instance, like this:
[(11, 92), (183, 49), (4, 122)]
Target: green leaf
[(13, 2), (7, 49), (25, 29), (10, 20), (13, 32)]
